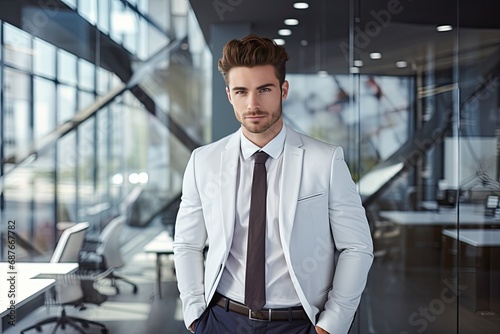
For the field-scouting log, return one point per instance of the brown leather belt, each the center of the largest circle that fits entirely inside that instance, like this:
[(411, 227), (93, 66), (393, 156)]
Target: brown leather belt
[(282, 314)]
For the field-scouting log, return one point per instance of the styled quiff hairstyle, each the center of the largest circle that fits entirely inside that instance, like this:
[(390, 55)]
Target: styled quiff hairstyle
[(251, 51)]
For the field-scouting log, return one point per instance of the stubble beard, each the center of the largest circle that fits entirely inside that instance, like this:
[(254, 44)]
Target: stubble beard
[(261, 128)]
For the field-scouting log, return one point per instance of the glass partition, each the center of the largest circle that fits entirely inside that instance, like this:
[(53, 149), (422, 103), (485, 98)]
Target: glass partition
[(436, 245), (414, 101)]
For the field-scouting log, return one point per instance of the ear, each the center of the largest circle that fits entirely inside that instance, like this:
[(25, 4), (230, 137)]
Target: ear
[(228, 93), (284, 90)]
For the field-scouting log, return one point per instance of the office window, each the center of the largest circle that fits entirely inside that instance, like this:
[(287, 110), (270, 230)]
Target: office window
[(143, 6), (44, 113), (1, 32), (85, 99), (103, 16), (17, 113), (44, 61), (116, 153), (103, 81), (66, 103), (18, 196), (88, 10), (103, 178), (142, 43), (66, 67), (71, 3), (117, 22), (18, 51), (86, 73), (44, 200), (130, 29), (66, 178), (86, 167)]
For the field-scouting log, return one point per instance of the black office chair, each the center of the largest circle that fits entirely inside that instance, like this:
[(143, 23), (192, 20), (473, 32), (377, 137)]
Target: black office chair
[(68, 288)]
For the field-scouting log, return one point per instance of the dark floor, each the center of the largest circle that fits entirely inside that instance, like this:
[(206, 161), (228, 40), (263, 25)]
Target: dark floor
[(393, 303)]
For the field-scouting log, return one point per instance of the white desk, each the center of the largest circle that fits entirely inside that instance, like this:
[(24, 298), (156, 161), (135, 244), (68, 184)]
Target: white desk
[(443, 218), (421, 239), (34, 269), (476, 238), (27, 285), (474, 255)]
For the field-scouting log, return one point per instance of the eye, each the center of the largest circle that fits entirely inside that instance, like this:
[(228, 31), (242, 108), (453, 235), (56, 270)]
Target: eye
[(265, 90), (240, 92)]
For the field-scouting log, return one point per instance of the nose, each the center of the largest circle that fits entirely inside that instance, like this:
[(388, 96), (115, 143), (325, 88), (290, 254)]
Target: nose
[(253, 102)]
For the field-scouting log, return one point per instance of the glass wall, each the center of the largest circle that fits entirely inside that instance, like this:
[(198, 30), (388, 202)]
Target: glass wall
[(436, 267), (414, 100), (77, 143)]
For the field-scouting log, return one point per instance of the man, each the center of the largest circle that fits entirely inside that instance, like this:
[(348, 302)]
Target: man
[(310, 207)]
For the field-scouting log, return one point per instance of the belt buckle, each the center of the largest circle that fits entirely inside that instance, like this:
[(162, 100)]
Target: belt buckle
[(269, 317)]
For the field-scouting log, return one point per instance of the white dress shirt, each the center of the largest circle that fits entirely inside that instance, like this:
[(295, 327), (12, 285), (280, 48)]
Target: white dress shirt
[(279, 288)]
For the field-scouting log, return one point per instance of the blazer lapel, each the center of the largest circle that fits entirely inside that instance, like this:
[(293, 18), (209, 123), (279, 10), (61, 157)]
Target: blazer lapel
[(229, 161), (292, 172)]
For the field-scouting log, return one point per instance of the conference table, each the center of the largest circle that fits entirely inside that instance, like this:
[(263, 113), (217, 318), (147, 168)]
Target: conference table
[(160, 245), (29, 281), (421, 232)]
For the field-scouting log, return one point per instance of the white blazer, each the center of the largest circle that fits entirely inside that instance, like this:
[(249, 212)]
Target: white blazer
[(320, 209)]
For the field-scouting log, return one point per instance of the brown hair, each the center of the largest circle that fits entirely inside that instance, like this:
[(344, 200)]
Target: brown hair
[(253, 50)]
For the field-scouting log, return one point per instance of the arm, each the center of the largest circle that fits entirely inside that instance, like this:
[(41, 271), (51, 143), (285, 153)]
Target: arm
[(189, 242), (353, 239)]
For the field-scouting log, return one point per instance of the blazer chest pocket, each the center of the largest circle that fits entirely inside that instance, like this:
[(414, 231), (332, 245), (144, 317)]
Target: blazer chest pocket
[(312, 208), (310, 197)]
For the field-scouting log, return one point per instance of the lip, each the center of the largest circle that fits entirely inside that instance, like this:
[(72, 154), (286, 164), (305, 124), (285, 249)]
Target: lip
[(255, 117)]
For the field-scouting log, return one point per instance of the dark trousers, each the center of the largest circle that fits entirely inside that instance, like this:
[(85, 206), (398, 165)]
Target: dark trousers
[(216, 320)]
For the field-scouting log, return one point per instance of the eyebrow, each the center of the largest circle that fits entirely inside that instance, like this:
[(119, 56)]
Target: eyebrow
[(259, 87)]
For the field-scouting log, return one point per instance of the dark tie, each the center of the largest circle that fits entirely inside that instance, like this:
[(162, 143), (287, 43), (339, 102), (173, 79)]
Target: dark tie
[(255, 285)]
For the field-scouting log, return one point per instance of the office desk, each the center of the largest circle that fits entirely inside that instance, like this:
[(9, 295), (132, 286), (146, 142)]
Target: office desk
[(162, 244), (421, 233), (478, 263), (28, 286)]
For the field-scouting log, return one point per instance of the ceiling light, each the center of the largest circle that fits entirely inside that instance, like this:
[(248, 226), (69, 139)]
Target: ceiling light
[(303, 42), (358, 63), (354, 69), (279, 41), (284, 32), (401, 64), (301, 5), (322, 73), (444, 27), (291, 22), (375, 55)]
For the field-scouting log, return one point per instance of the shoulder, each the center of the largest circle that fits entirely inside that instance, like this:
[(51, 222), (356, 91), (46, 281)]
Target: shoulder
[(313, 145), (217, 146)]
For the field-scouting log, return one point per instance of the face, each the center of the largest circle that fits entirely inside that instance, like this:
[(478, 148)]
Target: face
[(256, 97)]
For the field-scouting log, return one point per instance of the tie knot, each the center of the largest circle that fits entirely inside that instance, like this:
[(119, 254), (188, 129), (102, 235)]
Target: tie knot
[(261, 157)]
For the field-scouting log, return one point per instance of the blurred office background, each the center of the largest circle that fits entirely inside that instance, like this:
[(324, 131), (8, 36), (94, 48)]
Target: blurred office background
[(102, 102)]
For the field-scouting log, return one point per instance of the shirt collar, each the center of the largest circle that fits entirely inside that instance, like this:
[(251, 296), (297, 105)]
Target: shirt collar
[(273, 148)]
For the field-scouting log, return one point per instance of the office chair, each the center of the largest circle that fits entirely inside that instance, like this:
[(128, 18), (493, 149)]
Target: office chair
[(68, 287), (107, 255)]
